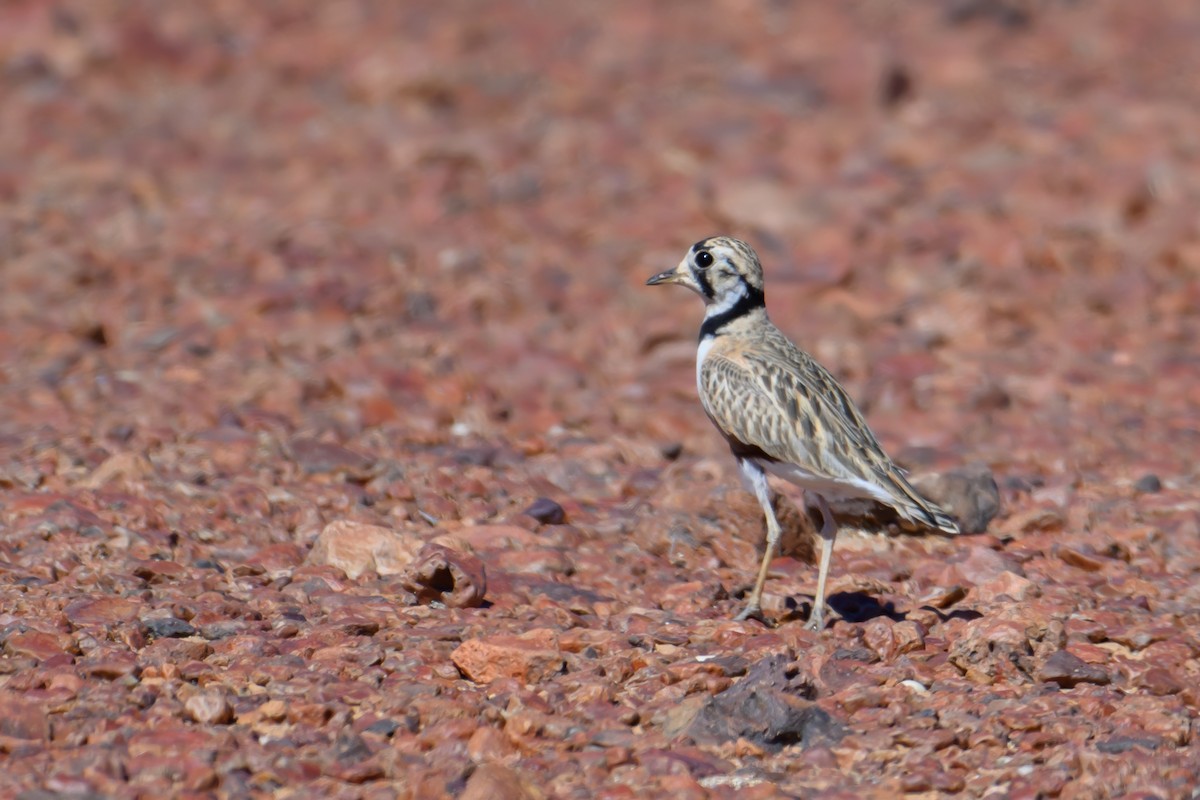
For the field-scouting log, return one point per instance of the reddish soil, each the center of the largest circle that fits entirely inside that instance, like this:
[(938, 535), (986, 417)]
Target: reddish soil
[(269, 266)]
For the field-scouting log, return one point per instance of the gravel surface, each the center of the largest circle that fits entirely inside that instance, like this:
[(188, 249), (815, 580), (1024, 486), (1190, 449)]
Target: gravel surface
[(344, 455)]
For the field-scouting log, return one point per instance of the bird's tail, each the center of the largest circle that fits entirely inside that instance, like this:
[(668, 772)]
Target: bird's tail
[(940, 520), (921, 511)]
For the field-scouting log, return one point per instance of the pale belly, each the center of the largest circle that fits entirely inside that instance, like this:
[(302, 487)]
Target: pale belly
[(823, 485), (701, 354)]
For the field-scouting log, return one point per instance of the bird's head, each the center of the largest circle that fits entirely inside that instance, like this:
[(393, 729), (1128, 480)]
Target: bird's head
[(717, 268)]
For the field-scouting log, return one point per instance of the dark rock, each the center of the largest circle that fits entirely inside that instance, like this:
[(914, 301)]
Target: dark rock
[(1148, 484), (439, 574), (990, 397), (167, 628), (896, 86), (481, 456), (855, 654), (993, 647), (420, 307), (573, 598), (384, 727), (969, 493), (351, 747), (1123, 744), (546, 511), (222, 629), (1068, 670), (1012, 14), (769, 707)]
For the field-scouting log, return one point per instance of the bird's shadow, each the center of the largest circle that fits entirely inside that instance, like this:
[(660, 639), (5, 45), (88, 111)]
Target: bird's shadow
[(856, 607), (861, 607)]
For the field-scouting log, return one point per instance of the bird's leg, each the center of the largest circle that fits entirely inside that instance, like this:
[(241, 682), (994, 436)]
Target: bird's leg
[(756, 480), (829, 532)]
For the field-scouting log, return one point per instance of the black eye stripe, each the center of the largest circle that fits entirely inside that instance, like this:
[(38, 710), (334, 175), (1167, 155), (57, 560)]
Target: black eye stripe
[(705, 284)]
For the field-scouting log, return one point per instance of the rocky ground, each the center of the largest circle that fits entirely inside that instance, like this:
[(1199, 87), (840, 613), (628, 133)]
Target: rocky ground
[(344, 454)]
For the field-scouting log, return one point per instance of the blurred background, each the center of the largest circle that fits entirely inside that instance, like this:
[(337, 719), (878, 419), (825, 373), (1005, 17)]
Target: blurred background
[(266, 264), (410, 215), (361, 211)]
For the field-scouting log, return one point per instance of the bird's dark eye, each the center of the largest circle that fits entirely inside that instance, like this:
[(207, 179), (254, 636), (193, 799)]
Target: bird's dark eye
[(704, 259)]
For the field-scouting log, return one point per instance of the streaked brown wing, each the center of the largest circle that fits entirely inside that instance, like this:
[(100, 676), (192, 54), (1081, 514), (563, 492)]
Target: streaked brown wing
[(771, 411), (781, 401)]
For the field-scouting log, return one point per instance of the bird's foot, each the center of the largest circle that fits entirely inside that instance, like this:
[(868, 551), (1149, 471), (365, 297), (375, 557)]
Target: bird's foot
[(751, 611), (816, 620)]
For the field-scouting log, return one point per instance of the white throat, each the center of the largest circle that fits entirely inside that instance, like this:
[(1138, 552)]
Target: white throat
[(727, 301)]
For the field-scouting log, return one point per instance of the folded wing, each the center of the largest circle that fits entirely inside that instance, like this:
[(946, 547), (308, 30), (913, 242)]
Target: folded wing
[(787, 408)]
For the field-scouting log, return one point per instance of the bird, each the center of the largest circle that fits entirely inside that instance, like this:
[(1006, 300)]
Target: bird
[(781, 412)]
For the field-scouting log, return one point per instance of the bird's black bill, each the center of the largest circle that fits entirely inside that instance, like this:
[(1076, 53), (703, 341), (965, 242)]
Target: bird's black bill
[(662, 277)]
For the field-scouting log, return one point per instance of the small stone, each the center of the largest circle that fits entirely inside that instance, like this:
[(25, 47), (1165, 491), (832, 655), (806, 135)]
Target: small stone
[(991, 648), (1038, 518), (914, 781), (1067, 670), (22, 719), (119, 468), (167, 628), (155, 571), (210, 707), (495, 537), (274, 710), (278, 560), (222, 629), (1007, 584), (488, 744), (352, 760), (101, 611), (498, 782), (943, 596), (878, 634), (981, 564), (535, 561), (895, 86), (36, 645), (1159, 681), (383, 727), (546, 511), (676, 719), (770, 708), (1148, 484), (356, 547), (1123, 744), (1084, 560), (910, 636), (531, 657), (174, 651), (439, 574), (110, 665)]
